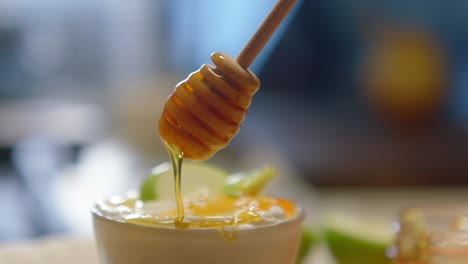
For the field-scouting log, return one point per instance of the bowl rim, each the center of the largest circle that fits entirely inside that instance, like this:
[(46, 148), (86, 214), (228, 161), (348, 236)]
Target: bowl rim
[(300, 216)]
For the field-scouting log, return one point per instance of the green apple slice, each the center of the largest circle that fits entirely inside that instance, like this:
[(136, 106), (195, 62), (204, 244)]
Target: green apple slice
[(358, 240), (248, 183), (160, 184), (309, 239)]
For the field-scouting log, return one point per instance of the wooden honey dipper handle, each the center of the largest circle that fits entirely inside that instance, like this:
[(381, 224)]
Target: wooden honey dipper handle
[(264, 32)]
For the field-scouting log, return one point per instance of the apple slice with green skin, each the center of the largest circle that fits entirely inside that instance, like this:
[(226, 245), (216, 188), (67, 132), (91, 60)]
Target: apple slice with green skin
[(160, 184), (248, 183), (358, 240), (309, 239)]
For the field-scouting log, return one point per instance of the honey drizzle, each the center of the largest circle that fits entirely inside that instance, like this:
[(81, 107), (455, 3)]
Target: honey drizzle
[(177, 158)]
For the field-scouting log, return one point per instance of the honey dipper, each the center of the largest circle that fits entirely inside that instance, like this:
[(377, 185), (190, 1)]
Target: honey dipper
[(206, 110)]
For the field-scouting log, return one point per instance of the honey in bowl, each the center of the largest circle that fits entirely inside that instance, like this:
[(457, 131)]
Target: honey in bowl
[(238, 204)]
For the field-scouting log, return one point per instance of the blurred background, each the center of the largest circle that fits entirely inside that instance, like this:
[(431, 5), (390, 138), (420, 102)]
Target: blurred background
[(358, 99)]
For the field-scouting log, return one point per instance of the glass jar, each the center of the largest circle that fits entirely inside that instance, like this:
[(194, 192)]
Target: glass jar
[(432, 235)]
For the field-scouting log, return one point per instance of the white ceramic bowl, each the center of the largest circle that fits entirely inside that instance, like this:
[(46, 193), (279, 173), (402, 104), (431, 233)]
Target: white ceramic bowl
[(125, 243)]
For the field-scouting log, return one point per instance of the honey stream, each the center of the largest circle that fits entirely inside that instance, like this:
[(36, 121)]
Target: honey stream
[(177, 158)]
